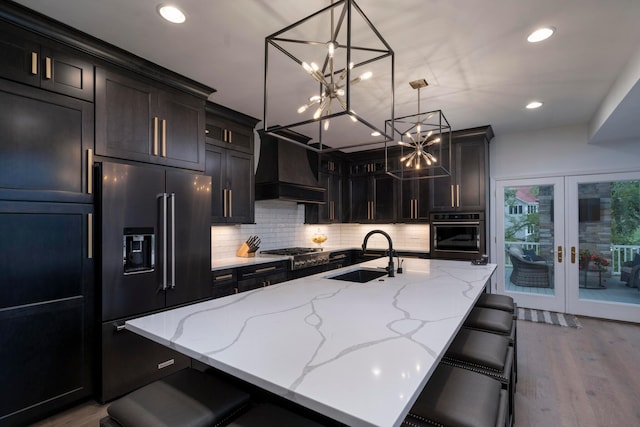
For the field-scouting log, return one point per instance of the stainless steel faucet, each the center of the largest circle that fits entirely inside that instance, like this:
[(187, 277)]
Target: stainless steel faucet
[(390, 267)]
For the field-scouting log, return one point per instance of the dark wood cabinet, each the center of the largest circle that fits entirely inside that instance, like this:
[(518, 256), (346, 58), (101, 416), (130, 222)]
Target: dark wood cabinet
[(139, 120), (372, 198), (225, 133), (467, 187), (230, 163), (331, 179), (46, 308), (261, 275), (46, 138), (36, 61), (232, 189), (224, 282), (134, 361), (413, 200)]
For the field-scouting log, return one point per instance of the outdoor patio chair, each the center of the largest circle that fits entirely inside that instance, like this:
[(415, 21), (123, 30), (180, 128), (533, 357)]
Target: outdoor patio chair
[(529, 270), (630, 272)]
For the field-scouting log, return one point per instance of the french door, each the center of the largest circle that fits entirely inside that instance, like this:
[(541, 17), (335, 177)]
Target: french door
[(571, 244), (530, 242)]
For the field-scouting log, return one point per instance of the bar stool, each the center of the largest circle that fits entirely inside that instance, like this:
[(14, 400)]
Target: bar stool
[(456, 397), (487, 354), (504, 303), (269, 415), (186, 398), (498, 302)]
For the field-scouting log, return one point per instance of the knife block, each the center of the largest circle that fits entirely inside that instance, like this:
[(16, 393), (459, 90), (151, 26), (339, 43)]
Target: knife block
[(243, 251)]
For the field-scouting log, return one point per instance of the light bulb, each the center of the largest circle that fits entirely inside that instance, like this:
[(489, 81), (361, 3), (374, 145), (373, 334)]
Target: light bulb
[(326, 125), (172, 14), (303, 109), (340, 92), (332, 48), (366, 75), (317, 114)]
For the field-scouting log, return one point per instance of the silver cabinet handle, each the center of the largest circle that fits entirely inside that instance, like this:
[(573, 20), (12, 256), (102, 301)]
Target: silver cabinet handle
[(172, 197), (230, 203), (47, 68), (164, 241), (90, 235), (89, 171)]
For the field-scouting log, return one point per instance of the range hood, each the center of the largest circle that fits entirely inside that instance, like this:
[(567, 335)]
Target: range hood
[(287, 171)]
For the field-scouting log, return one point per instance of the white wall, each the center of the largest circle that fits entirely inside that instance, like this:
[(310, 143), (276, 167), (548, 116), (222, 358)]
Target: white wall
[(558, 152), (281, 224)]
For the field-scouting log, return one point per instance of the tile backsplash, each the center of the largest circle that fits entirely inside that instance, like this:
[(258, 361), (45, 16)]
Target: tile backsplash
[(280, 224)]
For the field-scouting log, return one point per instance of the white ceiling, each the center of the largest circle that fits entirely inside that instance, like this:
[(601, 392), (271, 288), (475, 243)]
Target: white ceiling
[(474, 54)]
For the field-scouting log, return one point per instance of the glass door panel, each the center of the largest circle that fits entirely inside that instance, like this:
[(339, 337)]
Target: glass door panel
[(529, 242), (604, 270)]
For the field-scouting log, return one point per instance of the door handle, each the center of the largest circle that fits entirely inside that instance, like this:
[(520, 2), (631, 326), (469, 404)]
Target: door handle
[(230, 203), (47, 68), (573, 254), (90, 235), (155, 136), (164, 138), (164, 241), (89, 171), (172, 197), (34, 63), (453, 204), (458, 196), (559, 254), (224, 202)]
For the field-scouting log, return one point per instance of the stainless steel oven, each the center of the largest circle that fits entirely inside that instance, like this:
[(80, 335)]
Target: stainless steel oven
[(459, 235)]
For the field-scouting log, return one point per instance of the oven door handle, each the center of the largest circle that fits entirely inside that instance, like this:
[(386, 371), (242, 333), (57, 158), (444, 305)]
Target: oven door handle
[(457, 223)]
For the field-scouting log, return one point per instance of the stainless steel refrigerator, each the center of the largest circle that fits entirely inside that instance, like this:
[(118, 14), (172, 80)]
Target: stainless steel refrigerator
[(155, 253)]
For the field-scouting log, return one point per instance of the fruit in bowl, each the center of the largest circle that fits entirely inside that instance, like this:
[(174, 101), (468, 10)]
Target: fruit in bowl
[(319, 238)]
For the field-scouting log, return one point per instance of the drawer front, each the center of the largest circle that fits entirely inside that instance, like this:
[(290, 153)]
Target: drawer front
[(130, 361)]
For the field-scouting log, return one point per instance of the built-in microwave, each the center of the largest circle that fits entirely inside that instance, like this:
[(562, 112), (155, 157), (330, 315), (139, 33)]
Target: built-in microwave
[(457, 235)]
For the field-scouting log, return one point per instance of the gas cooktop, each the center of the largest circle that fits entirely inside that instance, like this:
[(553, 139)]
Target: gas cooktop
[(301, 257)]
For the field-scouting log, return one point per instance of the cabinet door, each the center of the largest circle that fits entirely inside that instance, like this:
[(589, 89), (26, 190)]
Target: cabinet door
[(125, 111), (66, 73), (442, 194), (182, 134), (240, 177), (46, 308), (43, 149), (384, 199), (30, 59), (227, 134), (216, 168), (360, 200), (414, 201), (20, 57), (470, 175)]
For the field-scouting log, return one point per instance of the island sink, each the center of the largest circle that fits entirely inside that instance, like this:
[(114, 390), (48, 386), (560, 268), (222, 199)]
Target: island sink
[(361, 275)]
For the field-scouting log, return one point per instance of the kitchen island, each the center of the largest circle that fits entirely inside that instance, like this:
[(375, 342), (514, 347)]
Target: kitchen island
[(359, 353)]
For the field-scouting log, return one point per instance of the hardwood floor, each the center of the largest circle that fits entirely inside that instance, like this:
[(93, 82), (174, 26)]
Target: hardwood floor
[(568, 377)]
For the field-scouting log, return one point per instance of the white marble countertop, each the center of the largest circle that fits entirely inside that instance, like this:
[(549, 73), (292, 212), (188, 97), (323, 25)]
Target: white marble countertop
[(357, 352)]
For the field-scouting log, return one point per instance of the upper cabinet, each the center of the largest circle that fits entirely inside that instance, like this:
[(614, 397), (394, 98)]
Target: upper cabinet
[(413, 202), (138, 120), (467, 187), (331, 179), (230, 163), (372, 193), (36, 61)]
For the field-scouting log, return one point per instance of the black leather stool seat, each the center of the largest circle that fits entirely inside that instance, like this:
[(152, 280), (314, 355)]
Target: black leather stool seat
[(267, 415), (455, 397), (187, 398), (491, 320), (485, 353), (497, 302)]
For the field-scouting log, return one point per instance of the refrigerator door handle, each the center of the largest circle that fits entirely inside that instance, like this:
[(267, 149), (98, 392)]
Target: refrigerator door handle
[(164, 241), (172, 197)]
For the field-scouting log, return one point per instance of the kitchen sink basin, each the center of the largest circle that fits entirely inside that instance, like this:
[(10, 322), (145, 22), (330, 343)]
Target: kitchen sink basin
[(361, 275)]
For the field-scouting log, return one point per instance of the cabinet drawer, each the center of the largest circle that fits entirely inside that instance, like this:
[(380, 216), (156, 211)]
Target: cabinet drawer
[(130, 361), (224, 283)]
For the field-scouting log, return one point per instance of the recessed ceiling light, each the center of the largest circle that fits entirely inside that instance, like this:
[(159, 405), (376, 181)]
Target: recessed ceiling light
[(171, 13), (375, 133), (534, 104), (541, 34)]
